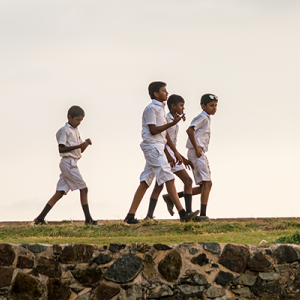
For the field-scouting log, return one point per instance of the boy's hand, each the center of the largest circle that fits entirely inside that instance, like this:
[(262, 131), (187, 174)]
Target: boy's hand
[(177, 118), (89, 141), (178, 157), (171, 161), (187, 163), (198, 152)]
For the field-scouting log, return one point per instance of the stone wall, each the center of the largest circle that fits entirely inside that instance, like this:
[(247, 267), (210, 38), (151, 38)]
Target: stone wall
[(187, 271)]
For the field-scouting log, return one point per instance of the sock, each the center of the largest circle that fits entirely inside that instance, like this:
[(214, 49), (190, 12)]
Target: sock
[(86, 211), (180, 194), (44, 212), (182, 213), (203, 210), (188, 202), (130, 216), (152, 206)]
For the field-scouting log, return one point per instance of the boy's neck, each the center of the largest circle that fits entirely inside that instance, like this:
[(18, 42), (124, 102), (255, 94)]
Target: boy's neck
[(161, 101)]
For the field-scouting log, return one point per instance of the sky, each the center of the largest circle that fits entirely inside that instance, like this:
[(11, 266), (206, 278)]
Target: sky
[(102, 55)]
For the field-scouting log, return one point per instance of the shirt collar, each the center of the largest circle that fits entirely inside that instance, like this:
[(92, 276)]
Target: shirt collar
[(69, 126), (159, 103), (206, 114), (170, 115)]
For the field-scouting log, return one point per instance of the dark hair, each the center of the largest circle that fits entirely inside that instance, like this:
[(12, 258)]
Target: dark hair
[(174, 99), (154, 87), (206, 98), (75, 111)]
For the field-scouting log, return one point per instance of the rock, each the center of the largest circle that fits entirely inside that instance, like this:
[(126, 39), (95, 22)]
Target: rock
[(116, 247), (259, 263), (200, 260), (266, 289), (5, 276), (7, 255), (57, 290), (268, 252), (48, 267), (213, 292), (212, 247), (161, 247), (223, 278), (162, 291), (235, 258), (214, 265), (240, 291), (139, 248), (124, 269), (170, 266), (76, 253), (245, 279), (285, 254), (87, 276), (57, 249), (101, 259), (35, 248), (149, 267), (26, 287), (105, 292), (268, 276), (25, 262), (190, 289), (85, 296), (76, 287), (193, 251), (193, 278)]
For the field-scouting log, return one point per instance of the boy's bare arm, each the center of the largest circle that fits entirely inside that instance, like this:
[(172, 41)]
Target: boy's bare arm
[(170, 159), (190, 132), (64, 149), (158, 129), (173, 148)]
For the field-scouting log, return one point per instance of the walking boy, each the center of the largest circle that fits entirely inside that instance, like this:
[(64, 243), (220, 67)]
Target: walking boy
[(176, 106), (70, 147), (155, 137), (197, 144)]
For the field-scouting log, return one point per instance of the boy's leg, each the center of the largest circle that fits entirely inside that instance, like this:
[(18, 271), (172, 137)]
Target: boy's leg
[(153, 200), (184, 216), (85, 206), (41, 218), (206, 187), (138, 196)]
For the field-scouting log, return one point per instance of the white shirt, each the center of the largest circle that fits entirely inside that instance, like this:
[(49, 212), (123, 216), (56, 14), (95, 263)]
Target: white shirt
[(201, 125), (69, 136), (172, 131), (154, 114)]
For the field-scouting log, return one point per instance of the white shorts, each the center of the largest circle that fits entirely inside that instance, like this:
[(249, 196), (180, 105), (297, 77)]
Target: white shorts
[(201, 169), (177, 167), (156, 166), (70, 177)]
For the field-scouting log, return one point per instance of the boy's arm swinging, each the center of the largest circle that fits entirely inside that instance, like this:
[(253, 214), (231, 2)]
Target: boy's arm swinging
[(190, 132), (63, 149)]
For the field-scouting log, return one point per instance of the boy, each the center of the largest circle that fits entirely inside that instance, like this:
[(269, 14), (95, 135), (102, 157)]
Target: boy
[(70, 147), (176, 106), (197, 144), (155, 137)]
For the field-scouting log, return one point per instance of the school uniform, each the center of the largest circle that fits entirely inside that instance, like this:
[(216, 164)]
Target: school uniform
[(70, 177), (153, 146), (173, 132), (201, 125)]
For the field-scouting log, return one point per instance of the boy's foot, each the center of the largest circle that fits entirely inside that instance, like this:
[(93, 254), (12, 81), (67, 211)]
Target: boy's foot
[(150, 219), (202, 219), (36, 221), (189, 216), (131, 220), (91, 222), (169, 203)]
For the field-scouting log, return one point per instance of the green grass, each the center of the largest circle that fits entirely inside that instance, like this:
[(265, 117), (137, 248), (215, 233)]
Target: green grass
[(168, 232)]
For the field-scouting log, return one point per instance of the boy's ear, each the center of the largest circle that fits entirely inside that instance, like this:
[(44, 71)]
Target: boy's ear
[(155, 94), (203, 106)]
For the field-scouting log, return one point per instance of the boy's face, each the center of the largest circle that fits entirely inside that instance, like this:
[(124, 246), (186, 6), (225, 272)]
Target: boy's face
[(211, 107), (75, 122), (178, 108), (162, 95)]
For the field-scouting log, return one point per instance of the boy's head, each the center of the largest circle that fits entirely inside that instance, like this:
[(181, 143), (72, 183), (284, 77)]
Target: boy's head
[(209, 103), (176, 104), (157, 90), (75, 115)]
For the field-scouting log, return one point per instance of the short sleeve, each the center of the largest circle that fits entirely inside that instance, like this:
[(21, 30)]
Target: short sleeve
[(150, 115), (61, 136), (198, 122)]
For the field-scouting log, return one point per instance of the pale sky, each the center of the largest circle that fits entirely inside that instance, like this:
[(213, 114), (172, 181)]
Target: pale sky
[(102, 55)]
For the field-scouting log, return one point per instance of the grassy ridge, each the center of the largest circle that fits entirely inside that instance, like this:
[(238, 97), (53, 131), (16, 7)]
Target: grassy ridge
[(168, 232)]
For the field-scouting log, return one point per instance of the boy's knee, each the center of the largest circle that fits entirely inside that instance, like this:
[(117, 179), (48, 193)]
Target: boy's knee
[(85, 190), (188, 181)]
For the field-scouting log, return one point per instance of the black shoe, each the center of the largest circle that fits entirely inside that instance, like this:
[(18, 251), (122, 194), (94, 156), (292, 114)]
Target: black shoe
[(39, 222), (91, 222), (189, 216), (131, 220), (169, 203), (150, 219), (201, 219)]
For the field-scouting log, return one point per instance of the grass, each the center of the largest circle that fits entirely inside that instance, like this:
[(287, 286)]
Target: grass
[(167, 232)]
